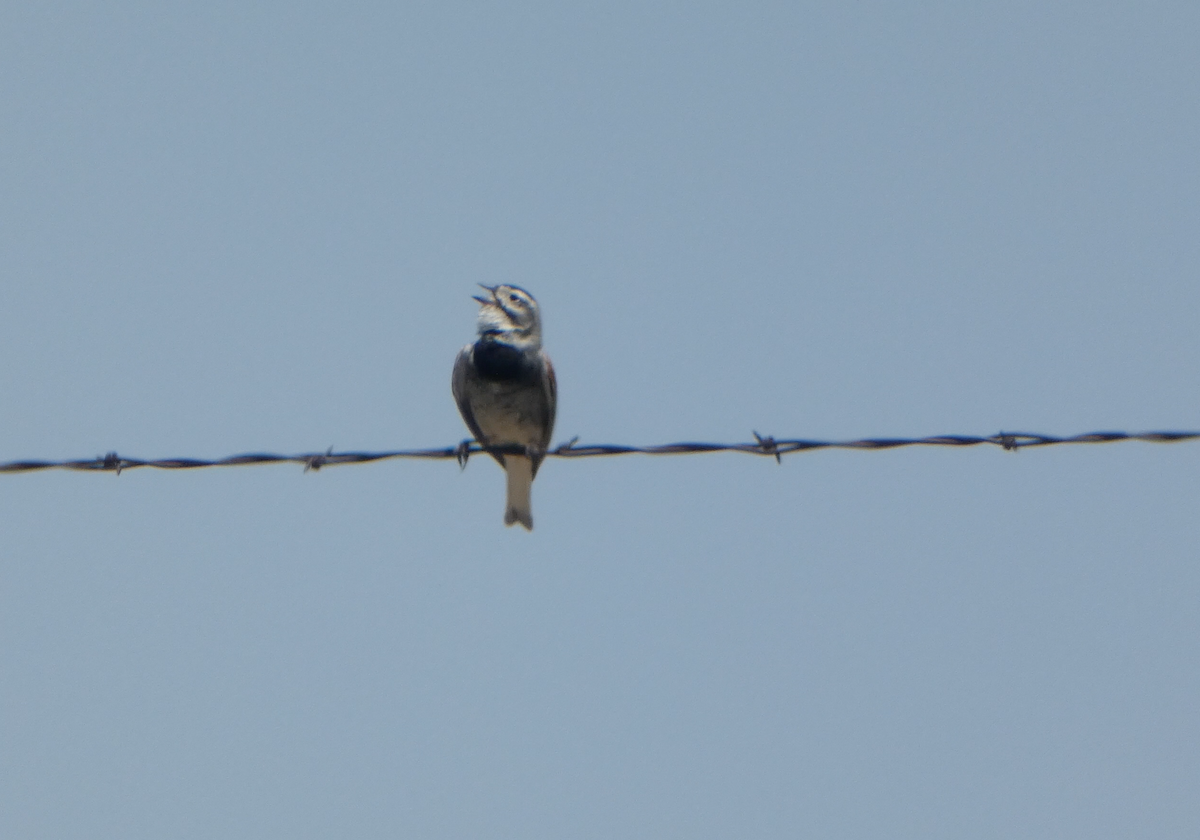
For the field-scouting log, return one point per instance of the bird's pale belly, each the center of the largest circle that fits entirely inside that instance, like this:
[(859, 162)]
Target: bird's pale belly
[(509, 412)]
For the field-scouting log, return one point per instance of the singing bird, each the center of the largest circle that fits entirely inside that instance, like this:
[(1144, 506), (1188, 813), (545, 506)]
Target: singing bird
[(506, 392)]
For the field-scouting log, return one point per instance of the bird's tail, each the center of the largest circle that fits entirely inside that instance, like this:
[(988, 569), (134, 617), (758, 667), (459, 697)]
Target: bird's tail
[(520, 483)]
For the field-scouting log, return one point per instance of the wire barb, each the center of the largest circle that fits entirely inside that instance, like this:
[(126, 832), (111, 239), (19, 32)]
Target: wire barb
[(563, 448), (769, 447), (762, 445), (315, 462)]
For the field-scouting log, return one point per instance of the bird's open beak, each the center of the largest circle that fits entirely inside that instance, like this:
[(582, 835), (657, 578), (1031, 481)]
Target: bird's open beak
[(486, 301)]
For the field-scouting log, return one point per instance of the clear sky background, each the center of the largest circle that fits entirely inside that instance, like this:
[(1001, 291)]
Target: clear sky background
[(233, 227)]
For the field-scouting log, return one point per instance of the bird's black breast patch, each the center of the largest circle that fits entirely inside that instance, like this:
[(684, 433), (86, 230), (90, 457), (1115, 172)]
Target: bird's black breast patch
[(501, 362)]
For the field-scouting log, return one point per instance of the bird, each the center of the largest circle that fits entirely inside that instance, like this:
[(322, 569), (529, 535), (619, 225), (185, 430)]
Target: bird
[(506, 390)]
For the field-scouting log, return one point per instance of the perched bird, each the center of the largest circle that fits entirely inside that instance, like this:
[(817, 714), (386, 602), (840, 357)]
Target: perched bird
[(506, 392)]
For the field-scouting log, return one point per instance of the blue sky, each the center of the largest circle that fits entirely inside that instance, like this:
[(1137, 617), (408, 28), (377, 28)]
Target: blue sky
[(228, 229)]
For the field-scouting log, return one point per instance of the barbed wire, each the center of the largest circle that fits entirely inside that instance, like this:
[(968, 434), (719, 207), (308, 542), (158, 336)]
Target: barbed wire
[(763, 445)]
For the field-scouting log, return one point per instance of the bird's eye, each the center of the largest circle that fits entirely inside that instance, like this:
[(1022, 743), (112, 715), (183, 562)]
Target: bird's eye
[(513, 298)]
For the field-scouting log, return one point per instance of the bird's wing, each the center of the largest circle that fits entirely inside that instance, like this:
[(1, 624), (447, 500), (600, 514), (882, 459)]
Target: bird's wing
[(550, 398), (458, 385)]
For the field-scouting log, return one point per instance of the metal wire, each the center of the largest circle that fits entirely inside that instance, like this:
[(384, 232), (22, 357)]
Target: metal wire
[(763, 445)]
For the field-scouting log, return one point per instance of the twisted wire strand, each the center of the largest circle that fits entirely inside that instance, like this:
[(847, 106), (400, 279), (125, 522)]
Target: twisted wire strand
[(764, 445)]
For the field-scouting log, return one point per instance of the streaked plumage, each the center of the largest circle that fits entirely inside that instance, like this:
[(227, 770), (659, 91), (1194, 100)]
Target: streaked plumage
[(506, 392)]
